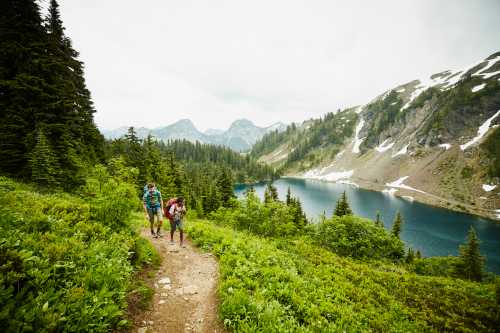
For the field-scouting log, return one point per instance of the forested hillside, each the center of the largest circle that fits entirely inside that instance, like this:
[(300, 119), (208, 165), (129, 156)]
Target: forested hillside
[(46, 120), (204, 174)]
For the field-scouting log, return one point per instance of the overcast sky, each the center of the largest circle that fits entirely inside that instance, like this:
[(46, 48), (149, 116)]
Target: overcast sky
[(152, 62)]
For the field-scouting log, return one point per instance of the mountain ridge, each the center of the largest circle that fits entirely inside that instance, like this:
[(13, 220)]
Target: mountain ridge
[(240, 135), (434, 139)]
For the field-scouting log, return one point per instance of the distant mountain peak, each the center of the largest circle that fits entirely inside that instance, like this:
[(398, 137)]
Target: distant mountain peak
[(240, 136), (241, 123)]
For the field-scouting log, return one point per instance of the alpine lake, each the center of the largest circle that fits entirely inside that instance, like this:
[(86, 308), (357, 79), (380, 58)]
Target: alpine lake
[(432, 230)]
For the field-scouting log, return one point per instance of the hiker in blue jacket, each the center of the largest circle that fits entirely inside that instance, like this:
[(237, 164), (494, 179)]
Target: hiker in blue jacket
[(153, 206)]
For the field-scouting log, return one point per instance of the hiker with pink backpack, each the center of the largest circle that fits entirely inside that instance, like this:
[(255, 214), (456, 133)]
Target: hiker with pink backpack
[(175, 210)]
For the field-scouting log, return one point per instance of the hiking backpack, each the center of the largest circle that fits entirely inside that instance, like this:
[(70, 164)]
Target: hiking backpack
[(169, 204)]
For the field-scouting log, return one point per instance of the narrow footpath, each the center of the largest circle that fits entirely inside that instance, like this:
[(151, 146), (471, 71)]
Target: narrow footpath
[(185, 290)]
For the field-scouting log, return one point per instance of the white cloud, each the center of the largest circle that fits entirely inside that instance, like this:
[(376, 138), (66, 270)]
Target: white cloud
[(152, 62)]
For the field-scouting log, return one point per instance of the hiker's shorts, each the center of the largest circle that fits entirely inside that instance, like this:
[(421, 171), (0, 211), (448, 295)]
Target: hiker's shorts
[(152, 212), (174, 224)]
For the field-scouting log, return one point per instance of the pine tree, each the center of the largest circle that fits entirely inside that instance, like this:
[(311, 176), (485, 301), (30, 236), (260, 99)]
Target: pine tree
[(471, 262), (299, 217), (378, 220), (250, 191), (342, 207), (270, 194), (22, 100), (396, 227), (43, 162), (225, 187), (288, 196), (410, 256), (418, 255)]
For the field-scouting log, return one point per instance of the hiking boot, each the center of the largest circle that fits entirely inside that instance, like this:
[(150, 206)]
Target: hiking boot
[(183, 245), (159, 234), (172, 242)]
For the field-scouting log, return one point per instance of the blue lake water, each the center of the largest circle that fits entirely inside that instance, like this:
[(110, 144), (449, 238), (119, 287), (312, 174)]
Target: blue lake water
[(434, 231)]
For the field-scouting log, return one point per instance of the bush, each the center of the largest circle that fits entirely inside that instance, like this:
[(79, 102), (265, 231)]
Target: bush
[(356, 237), (269, 219), (435, 266)]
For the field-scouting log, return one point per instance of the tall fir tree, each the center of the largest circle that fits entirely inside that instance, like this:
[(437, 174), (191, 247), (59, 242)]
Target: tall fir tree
[(288, 196), (342, 207), (23, 69), (270, 194), (471, 262), (397, 225), (418, 255), (378, 220), (225, 185), (299, 217), (43, 162), (410, 256)]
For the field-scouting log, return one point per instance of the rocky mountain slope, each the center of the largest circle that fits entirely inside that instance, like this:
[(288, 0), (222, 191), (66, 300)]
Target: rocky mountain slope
[(436, 140), (240, 136)]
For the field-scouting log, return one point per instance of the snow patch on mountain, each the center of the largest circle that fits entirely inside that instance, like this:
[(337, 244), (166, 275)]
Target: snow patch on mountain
[(478, 87), (383, 147), (331, 176), (480, 132), (403, 151), (357, 140), (488, 187), (446, 146), (490, 63), (449, 78), (390, 191), (348, 182), (399, 184)]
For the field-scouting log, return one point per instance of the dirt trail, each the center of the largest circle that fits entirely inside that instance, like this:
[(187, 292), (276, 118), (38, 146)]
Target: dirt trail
[(185, 298)]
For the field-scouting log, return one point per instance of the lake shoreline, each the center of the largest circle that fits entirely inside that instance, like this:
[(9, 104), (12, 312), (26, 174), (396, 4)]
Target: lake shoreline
[(405, 194)]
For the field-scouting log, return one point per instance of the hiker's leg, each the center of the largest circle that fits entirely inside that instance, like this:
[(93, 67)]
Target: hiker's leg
[(181, 231), (160, 221), (151, 220), (172, 230)]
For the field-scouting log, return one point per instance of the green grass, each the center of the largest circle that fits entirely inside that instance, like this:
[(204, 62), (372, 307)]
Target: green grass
[(290, 285)]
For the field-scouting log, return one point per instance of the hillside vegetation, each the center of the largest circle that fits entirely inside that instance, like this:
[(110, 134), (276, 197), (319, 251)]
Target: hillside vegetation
[(292, 285), (67, 260)]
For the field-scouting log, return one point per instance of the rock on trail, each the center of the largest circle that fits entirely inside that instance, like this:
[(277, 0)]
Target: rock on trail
[(185, 295)]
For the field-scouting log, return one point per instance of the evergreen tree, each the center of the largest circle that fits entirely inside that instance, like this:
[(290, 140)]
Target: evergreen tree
[(410, 256), (250, 191), (299, 217), (43, 162), (270, 194), (226, 187), (342, 207), (418, 255), (471, 262), (378, 220), (22, 69), (288, 196), (396, 227)]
